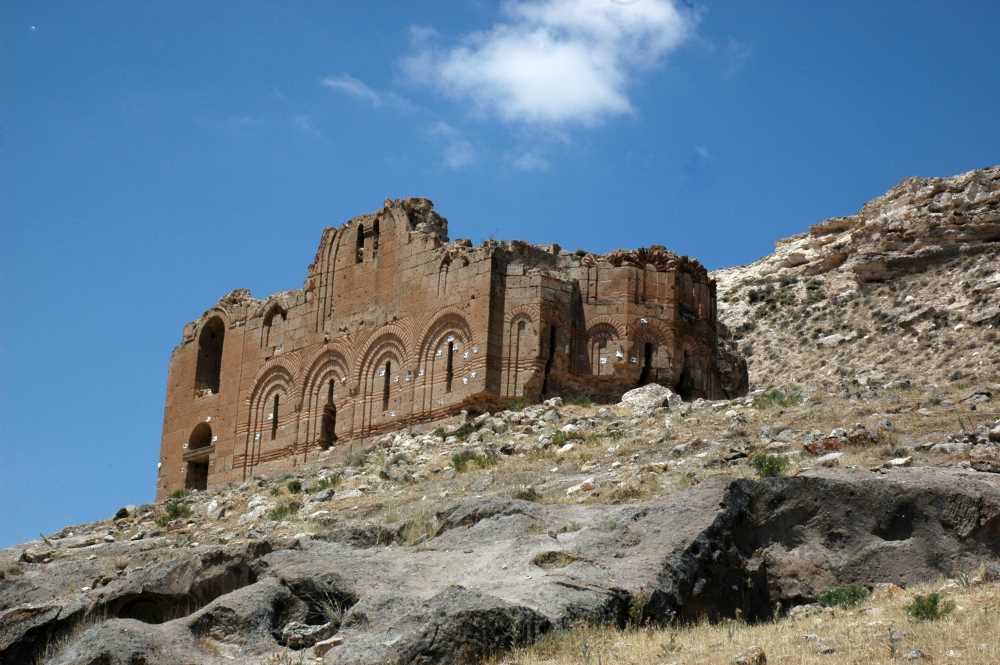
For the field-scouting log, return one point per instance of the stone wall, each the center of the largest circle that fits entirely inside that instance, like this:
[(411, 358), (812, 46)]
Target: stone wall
[(396, 325)]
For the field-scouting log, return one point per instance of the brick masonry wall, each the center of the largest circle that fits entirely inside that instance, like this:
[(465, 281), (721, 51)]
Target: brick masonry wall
[(395, 325)]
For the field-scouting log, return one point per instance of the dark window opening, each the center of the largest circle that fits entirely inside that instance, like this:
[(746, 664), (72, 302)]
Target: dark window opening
[(359, 254), (209, 366), (647, 364), (274, 419), (385, 386), (550, 359), (329, 423), (685, 382), (375, 234), (197, 475), (450, 368), (201, 436)]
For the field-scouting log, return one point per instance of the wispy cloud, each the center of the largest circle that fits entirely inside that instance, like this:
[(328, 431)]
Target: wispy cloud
[(737, 55), (457, 152), (357, 88), (554, 61), (530, 161), (305, 124)]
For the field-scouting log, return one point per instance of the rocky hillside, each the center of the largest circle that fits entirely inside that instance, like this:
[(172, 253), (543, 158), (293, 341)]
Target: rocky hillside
[(906, 290), (867, 456)]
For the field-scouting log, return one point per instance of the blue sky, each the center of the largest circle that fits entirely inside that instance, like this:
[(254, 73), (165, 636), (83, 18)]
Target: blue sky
[(155, 155)]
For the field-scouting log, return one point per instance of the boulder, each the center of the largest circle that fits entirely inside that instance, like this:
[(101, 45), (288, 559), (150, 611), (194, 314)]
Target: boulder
[(644, 400)]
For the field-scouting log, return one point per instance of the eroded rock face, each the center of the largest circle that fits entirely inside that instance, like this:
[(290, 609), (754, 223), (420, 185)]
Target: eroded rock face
[(920, 263), (499, 572)]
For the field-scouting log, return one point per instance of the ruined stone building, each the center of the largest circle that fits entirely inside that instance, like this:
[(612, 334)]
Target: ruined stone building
[(396, 325)]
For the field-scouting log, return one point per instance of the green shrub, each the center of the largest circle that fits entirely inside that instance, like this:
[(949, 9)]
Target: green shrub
[(561, 438), (769, 466), (294, 486), (843, 596), (930, 607), (176, 509), (284, 511), (179, 494), (440, 433), (173, 509), (461, 460), (774, 398)]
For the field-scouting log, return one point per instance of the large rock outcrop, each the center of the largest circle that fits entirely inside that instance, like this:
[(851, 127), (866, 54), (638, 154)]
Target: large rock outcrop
[(498, 572)]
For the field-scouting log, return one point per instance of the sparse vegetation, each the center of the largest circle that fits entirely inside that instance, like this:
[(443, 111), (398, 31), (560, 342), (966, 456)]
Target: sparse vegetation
[(929, 607), (777, 399), (461, 460), (284, 510), (844, 596), (294, 486), (769, 466), (325, 483), (562, 438)]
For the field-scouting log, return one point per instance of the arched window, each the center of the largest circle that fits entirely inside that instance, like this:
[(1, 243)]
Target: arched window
[(328, 433), (201, 437), (209, 365), (443, 277), (385, 385), (359, 253), (449, 373), (274, 419), (375, 235), (272, 331)]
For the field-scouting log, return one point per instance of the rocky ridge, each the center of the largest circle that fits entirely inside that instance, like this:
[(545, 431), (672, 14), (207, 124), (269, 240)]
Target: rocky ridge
[(908, 287)]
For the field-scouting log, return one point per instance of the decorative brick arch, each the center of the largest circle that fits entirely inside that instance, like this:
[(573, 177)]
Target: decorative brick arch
[(276, 378), (392, 335), (328, 365), (385, 346), (441, 323), (606, 335), (655, 361), (436, 373)]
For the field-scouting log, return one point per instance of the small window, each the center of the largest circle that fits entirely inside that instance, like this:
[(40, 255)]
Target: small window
[(328, 435), (385, 386), (359, 253), (450, 368), (375, 235), (274, 419)]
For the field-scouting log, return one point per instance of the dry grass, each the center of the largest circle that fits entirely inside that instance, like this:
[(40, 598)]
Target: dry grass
[(970, 636)]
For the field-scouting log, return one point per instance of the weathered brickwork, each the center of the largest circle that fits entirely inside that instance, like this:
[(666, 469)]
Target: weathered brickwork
[(396, 325)]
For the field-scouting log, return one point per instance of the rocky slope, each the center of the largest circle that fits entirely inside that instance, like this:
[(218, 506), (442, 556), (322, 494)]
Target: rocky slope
[(441, 547), (907, 289)]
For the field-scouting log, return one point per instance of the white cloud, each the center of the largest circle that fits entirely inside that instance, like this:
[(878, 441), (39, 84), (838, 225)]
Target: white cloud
[(349, 85), (457, 151), (554, 61)]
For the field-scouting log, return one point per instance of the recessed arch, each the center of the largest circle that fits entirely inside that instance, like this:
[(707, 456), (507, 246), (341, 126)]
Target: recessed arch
[(273, 327), (208, 367), (201, 436)]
